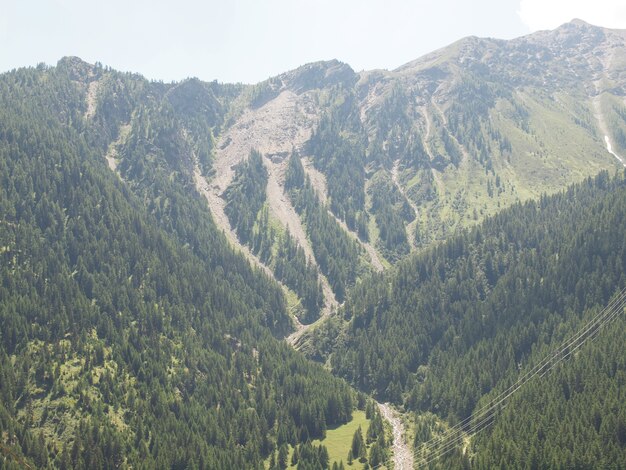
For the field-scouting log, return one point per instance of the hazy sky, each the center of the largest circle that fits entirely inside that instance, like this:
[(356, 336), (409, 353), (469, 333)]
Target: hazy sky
[(251, 40)]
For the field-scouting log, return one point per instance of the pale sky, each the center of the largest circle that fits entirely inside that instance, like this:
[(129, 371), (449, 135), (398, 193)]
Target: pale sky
[(251, 40)]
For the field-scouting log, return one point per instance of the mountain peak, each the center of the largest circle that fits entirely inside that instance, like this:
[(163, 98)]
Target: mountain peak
[(579, 22), (319, 75), (76, 68), (578, 25)]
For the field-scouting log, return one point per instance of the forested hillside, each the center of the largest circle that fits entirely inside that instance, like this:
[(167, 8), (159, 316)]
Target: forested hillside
[(337, 255), (573, 419), (414, 230), (463, 319), (247, 212), (132, 335)]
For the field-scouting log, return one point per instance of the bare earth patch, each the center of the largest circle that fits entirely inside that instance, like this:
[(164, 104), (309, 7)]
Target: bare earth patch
[(602, 125), (111, 155), (369, 249), (92, 99), (596, 102), (275, 129), (282, 209), (217, 204), (318, 179)]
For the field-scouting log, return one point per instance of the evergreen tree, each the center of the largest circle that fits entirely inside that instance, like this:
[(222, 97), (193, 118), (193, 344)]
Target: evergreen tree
[(358, 448)]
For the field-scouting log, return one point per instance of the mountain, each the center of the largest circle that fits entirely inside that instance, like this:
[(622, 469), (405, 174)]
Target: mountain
[(132, 335), (405, 158), (396, 160), (160, 241), (458, 324)]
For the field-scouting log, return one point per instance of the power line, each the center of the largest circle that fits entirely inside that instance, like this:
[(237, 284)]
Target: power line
[(480, 420), (607, 315), (487, 419), (540, 366)]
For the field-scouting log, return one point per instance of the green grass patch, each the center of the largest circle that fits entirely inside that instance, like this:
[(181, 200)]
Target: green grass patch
[(339, 440)]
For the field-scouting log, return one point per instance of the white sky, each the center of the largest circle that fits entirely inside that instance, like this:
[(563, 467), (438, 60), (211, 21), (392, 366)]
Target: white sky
[(542, 14), (250, 40)]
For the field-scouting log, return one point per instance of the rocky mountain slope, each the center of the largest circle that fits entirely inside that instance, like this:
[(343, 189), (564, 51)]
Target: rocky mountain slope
[(404, 158), (398, 160)]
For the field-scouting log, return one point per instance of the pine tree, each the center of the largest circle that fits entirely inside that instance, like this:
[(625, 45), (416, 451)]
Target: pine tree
[(358, 448), (295, 456), (283, 453)]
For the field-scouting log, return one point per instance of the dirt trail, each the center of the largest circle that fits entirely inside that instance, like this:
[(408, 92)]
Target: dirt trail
[(424, 111), (402, 454), (602, 125), (317, 178), (369, 249), (281, 207), (412, 226), (294, 338), (596, 102), (610, 150), (425, 142)]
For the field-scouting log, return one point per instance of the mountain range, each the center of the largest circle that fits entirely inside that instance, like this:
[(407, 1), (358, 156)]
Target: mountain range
[(402, 159), (178, 256)]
